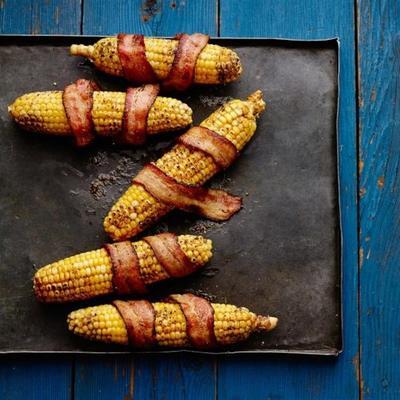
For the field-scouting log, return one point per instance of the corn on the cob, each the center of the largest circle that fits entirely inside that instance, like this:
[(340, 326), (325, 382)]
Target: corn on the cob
[(44, 112), (231, 324), (90, 274), (137, 209), (214, 65)]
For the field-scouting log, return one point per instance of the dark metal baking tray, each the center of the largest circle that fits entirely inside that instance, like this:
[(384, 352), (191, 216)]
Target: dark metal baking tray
[(280, 255)]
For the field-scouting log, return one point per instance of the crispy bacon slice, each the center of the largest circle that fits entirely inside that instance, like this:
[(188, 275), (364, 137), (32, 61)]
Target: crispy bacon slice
[(219, 148), (170, 255), (138, 102), (139, 318), (213, 204), (132, 54), (125, 267), (78, 103), (181, 75), (199, 317)]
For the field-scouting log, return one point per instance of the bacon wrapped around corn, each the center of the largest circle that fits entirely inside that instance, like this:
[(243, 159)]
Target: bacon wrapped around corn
[(122, 268), (180, 321), (175, 63), (83, 111), (174, 181)]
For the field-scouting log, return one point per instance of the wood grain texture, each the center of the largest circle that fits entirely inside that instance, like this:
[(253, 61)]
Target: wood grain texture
[(30, 16), (379, 105), (144, 377), (253, 378), (150, 17), (35, 378)]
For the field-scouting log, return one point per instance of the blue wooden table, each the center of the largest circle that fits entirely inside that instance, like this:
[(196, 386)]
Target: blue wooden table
[(369, 123)]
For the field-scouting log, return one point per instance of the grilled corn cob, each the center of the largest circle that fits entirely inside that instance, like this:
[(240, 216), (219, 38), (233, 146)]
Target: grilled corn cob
[(137, 209), (231, 324), (214, 65), (90, 274), (44, 112)]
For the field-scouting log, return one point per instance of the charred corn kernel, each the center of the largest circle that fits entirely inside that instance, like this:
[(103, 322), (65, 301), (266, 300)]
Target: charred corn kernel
[(89, 274), (102, 323), (44, 112), (231, 324), (214, 65), (170, 325), (41, 112), (166, 114), (136, 209)]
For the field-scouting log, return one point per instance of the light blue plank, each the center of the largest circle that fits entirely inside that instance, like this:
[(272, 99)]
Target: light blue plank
[(272, 378), (162, 18), (379, 56), (34, 378), (30, 16)]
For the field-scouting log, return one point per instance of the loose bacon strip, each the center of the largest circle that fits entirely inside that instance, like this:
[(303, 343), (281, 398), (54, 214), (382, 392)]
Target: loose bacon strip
[(213, 204), (181, 75), (138, 102), (170, 255), (125, 267), (132, 54), (218, 147), (199, 316), (78, 103), (139, 318)]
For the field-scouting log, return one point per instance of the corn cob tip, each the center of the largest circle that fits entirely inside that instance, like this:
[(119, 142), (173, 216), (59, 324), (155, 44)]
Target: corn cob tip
[(258, 102), (81, 50), (264, 323)]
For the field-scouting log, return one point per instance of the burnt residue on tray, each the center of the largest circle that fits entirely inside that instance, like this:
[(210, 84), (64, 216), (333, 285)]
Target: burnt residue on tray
[(280, 255)]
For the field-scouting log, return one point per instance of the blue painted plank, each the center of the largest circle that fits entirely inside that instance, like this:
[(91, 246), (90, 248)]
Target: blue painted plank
[(34, 378), (379, 102), (30, 16), (150, 17), (282, 378), (147, 377)]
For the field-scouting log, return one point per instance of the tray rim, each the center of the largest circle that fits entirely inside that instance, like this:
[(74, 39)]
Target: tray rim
[(333, 41)]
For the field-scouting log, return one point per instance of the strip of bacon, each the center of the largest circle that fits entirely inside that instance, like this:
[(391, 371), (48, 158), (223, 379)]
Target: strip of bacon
[(213, 204), (219, 148), (139, 318), (181, 74), (199, 317), (138, 102), (132, 55), (125, 268), (170, 255), (78, 103)]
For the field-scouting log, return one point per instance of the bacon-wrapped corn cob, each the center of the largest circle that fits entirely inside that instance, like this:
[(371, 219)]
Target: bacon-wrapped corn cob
[(45, 112), (235, 122), (187, 55), (180, 321), (122, 268)]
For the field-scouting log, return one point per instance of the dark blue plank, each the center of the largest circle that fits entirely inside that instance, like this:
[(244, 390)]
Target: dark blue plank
[(379, 102), (166, 377), (151, 17), (56, 16), (145, 377), (34, 378), (263, 378)]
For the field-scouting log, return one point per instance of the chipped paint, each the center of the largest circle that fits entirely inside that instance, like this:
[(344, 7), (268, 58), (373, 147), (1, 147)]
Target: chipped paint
[(360, 166), (373, 95), (149, 9), (1, 4), (363, 191), (361, 257), (356, 364), (381, 182)]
